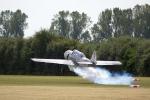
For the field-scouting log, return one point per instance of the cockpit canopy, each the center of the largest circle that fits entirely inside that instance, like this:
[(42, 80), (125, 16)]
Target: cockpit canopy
[(78, 54), (75, 54)]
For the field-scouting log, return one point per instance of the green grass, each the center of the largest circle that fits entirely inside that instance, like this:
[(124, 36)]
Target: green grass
[(144, 81), (42, 80), (17, 87), (15, 80)]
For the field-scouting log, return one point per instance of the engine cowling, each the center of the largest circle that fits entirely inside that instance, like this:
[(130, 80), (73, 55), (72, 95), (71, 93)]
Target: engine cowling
[(67, 54)]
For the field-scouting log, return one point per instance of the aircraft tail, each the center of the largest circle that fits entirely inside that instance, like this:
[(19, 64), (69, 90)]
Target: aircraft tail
[(93, 57)]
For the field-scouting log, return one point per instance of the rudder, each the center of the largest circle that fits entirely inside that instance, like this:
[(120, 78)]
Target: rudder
[(93, 57)]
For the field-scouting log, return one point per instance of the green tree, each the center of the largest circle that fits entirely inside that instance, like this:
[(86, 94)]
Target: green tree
[(18, 24), (12, 24), (141, 20), (127, 22), (146, 65), (60, 24), (79, 24), (71, 25), (103, 28), (5, 20), (122, 22), (85, 37), (39, 43), (26, 54), (117, 22)]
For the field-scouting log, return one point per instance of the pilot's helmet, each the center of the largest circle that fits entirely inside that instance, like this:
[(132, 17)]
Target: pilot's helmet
[(67, 53)]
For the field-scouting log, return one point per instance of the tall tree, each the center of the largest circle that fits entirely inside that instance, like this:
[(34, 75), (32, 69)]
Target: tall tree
[(127, 22), (71, 25), (18, 23), (117, 22), (60, 24), (85, 37), (103, 28), (12, 24), (5, 20), (79, 24), (141, 16)]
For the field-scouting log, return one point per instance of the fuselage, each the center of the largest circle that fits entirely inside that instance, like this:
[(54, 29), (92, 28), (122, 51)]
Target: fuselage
[(76, 56)]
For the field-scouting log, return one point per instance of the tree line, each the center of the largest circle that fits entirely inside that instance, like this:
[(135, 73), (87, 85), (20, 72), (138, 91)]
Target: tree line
[(118, 35), (114, 22), (16, 53)]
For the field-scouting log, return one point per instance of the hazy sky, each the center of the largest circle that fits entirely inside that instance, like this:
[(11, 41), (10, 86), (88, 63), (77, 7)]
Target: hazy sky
[(40, 12)]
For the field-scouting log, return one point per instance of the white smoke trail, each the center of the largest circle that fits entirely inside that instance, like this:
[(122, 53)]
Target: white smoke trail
[(103, 76)]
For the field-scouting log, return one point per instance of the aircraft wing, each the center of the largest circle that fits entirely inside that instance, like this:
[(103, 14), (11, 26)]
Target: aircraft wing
[(108, 63), (102, 63), (69, 62), (55, 61)]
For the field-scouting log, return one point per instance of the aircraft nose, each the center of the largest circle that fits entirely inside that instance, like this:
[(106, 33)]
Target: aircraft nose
[(67, 53)]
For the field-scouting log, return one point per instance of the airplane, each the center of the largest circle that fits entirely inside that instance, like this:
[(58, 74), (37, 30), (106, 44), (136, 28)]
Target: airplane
[(74, 58)]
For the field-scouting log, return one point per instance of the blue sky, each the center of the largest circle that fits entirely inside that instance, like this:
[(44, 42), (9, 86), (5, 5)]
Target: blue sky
[(40, 12)]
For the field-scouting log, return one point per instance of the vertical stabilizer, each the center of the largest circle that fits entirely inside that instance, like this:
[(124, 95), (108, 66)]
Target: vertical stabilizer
[(93, 58)]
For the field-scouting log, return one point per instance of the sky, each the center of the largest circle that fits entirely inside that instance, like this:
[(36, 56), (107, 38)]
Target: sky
[(41, 12)]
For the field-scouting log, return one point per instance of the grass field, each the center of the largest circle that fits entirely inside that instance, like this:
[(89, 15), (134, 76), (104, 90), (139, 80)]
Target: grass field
[(67, 88)]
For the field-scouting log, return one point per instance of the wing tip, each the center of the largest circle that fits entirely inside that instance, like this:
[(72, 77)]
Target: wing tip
[(34, 59), (119, 63)]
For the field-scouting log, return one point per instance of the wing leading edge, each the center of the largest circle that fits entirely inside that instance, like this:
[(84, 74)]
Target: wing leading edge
[(69, 62), (55, 61)]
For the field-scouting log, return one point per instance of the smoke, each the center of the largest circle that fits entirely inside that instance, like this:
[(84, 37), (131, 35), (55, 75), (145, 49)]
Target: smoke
[(103, 76)]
